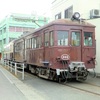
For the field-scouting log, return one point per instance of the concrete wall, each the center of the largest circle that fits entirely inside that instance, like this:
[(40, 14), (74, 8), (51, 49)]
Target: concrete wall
[(96, 22)]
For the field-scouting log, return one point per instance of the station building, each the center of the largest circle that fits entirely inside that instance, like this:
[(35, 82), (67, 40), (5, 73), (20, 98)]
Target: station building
[(14, 25), (89, 11)]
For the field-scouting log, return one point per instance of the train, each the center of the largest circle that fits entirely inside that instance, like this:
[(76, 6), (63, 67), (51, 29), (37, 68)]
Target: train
[(63, 49)]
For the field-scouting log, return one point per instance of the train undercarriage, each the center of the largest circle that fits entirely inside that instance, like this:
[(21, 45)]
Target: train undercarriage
[(76, 70)]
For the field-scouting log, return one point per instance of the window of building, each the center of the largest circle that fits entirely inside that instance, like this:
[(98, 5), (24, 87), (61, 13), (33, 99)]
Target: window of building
[(69, 12), (5, 30), (62, 37), (25, 29), (58, 16), (0, 42), (18, 29), (12, 29), (75, 38), (0, 32), (88, 37), (4, 41)]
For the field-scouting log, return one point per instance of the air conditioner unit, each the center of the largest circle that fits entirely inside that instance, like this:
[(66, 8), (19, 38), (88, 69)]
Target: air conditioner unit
[(95, 13)]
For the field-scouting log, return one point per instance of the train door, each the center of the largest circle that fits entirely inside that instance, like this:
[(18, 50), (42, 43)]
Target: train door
[(88, 50), (75, 44)]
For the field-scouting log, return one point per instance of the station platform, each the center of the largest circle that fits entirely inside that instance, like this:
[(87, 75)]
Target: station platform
[(11, 88)]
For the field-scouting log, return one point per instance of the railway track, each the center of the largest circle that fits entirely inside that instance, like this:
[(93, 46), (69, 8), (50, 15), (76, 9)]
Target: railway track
[(90, 88), (81, 86)]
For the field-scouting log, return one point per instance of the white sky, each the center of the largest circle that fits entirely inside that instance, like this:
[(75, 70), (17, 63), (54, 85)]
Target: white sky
[(24, 6)]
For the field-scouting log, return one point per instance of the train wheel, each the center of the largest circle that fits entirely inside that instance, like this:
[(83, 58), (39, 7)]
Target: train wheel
[(37, 71)]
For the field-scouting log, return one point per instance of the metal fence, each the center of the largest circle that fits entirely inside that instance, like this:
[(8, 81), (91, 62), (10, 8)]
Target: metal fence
[(14, 66)]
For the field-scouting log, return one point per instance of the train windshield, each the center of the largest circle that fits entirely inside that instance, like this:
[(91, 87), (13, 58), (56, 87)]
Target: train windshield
[(88, 37), (62, 38), (75, 38)]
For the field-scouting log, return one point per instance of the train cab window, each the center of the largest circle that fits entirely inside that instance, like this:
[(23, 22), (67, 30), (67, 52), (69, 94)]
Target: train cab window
[(51, 39), (62, 38), (88, 37), (75, 38)]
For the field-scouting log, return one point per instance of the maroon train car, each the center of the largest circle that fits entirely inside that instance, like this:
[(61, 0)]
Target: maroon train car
[(60, 50)]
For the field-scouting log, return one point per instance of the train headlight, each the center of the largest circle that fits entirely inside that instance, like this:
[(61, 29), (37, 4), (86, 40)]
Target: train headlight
[(76, 16)]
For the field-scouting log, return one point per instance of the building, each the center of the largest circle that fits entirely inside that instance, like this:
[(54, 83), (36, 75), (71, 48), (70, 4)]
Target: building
[(66, 8), (14, 25), (89, 11)]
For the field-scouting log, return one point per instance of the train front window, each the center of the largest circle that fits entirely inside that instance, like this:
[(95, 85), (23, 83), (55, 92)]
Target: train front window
[(88, 37), (75, 38), (62, 38)]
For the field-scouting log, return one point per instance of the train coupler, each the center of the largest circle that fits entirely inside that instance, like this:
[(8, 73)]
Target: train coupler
[(77, 67)]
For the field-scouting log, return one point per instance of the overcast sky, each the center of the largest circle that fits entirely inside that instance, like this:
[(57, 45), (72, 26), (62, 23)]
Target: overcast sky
[(24, 6)]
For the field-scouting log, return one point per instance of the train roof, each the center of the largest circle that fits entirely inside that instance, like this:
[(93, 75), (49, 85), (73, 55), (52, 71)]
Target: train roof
[(62, 22), (71, 22), (66, 22)]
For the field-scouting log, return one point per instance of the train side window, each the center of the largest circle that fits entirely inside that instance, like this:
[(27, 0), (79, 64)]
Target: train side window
[(88, 37), (38, 43), (32, 42), (28, 43), (62, 38), (75, 38), (35, 42), (22, 45), (46, 39), (25, 44), (51, 39)]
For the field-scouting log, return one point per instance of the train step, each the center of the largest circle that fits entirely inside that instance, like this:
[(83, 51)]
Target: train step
[(43, 76)]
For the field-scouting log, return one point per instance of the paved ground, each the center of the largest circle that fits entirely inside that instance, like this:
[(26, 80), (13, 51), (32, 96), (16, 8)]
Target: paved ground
[(8, 91), (11, 88), (34, 88), (55, 91)]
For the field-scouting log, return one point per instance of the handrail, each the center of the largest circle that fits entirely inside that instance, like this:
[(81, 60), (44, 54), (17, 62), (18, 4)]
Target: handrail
[(14, 66)]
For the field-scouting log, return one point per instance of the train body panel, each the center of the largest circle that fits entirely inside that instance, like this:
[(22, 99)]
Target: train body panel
[(8, 51), (19, 50)]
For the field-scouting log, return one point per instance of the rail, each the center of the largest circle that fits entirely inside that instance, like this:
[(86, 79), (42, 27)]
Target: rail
[(14, 66)]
